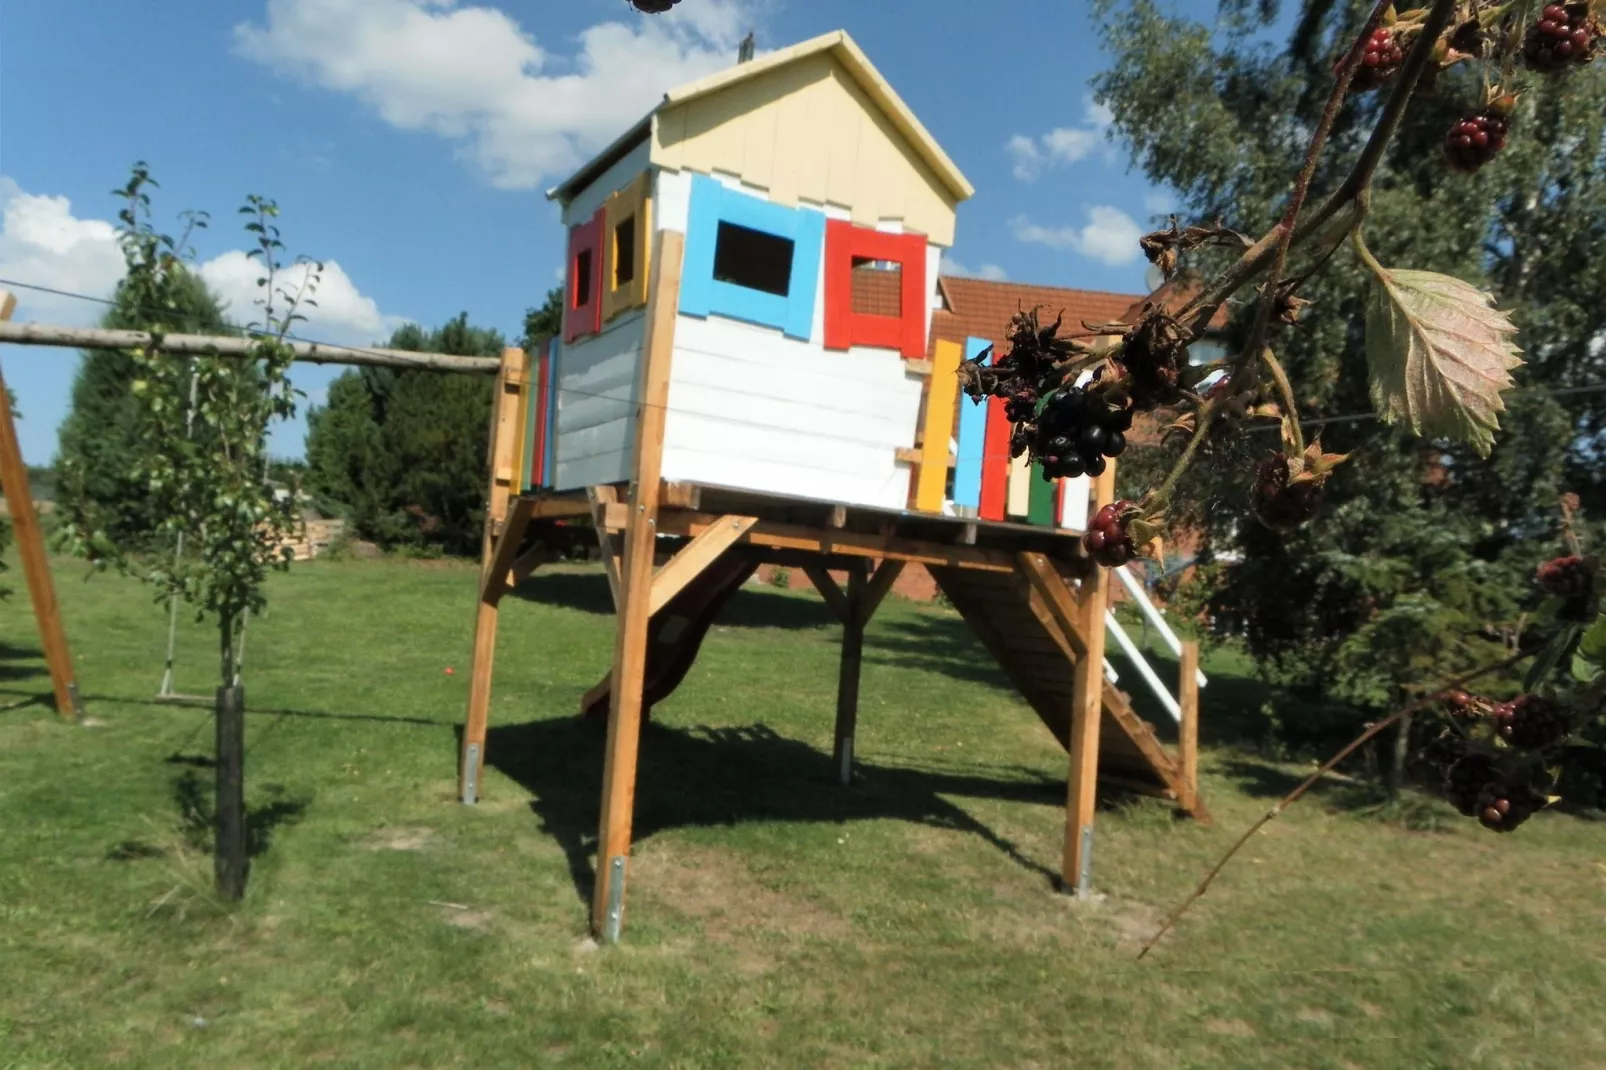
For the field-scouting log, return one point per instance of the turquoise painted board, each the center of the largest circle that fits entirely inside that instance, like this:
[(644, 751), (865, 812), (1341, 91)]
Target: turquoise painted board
[(972, 439), (701, 294)]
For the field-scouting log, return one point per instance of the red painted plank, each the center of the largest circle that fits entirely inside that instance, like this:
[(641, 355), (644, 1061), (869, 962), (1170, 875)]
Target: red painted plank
[(995, 462)]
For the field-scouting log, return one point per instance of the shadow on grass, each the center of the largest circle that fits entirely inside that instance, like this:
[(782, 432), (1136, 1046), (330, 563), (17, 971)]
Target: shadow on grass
[(751, 607), (265, 711), (195, 801), (20, 663), (690, 777)]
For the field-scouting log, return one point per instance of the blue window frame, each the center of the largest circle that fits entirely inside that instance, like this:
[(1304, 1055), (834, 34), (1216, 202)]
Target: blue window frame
[(702, 294)]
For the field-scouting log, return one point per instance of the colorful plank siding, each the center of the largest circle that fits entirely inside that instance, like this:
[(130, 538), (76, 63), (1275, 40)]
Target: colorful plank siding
[(972, 441), (1019, 500), (938, 427), (1040, 507), (1073, 503), (995, 462)]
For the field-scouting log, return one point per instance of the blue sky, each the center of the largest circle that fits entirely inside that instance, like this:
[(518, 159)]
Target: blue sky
[(408, 143)]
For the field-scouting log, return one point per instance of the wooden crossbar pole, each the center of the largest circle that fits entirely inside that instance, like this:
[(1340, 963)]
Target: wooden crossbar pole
[(499, 456), (1188, 731), (1076, 868), (635, 592), (31, 549), (835, 600), (206, 345)]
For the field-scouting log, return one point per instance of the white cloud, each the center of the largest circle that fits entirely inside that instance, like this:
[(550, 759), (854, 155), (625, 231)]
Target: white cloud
[(470, 73), (343, 314), (990, 272), (43, 243), (1062, 145), (1110, 236)]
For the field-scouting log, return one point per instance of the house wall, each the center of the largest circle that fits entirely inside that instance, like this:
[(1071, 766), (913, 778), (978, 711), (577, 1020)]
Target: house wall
[(807, 134), (596, 404), (588, 200), (753, 409)]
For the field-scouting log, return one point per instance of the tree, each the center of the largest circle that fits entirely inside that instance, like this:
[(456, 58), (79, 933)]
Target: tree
[(1423, 558), (199, 450), (545, 321), (401, 453), (98, 438)]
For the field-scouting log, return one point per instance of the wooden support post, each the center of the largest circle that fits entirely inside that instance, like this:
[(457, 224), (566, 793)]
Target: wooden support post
[(635, 592), (1188, 731), (847, 688), (1077, 865), (495, 583), (229, 853), (835, 600), (31, 548), (499, 454)]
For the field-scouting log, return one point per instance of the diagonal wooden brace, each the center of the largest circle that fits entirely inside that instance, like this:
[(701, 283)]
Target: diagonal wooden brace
[(702, 551)]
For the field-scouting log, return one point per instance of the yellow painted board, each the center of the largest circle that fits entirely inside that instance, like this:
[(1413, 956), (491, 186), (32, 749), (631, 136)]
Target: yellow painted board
[(941, 396), (1019, 500), (520, 418)]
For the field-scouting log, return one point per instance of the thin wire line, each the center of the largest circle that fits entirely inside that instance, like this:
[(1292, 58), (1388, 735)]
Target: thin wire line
[(633, 405)]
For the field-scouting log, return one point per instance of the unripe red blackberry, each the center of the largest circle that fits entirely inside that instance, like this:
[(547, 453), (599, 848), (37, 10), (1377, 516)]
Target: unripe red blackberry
[(1381, 57), (1475, 140), (1563, 36), (1566, 577)]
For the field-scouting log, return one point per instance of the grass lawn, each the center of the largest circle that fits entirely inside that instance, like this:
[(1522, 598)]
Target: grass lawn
[(773, 918)]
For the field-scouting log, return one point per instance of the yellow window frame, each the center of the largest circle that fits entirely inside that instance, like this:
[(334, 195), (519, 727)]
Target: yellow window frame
[(632, 201)]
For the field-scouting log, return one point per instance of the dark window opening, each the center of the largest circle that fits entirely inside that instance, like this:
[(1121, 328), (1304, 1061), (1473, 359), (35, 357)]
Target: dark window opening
[(877, 287), (582, 279), (624, 252), (751, 258)]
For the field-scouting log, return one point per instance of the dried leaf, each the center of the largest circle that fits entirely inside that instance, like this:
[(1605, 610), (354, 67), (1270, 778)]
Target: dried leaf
[(1440, 355)]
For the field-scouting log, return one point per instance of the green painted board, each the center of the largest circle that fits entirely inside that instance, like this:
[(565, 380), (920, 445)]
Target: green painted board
[(1040, 507)]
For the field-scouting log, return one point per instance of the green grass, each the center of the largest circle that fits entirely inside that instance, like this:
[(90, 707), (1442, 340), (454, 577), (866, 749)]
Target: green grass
[(774, 919)]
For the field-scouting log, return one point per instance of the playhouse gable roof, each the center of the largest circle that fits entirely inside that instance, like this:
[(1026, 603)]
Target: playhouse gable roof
[(846, 52), (849, 139)]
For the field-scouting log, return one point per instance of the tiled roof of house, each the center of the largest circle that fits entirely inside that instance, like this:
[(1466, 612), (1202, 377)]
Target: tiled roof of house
[(981, 308)]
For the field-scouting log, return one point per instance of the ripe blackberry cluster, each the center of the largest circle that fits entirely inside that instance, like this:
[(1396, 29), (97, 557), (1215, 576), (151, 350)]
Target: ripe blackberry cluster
[(1076, 431), (1563, 36), (654, 7), (1107, 540), (1475, 140), (1531, 722), (1477, 787), (1382, 57), (1280, 504)]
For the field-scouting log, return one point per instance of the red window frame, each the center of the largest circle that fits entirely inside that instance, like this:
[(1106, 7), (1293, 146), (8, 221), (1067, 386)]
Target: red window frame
[(580, 320), (905, 332)]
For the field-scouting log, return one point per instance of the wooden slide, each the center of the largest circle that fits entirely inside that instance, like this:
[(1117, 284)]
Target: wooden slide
[(676, 632), (1039, 659)]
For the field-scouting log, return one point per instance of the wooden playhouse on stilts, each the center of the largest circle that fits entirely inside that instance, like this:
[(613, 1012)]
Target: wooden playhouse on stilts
[(743, 378)]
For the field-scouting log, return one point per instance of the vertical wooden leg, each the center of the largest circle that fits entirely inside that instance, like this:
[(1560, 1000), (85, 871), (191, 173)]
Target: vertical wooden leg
[(619, 768), (479, 704), (1188, 732), (635, 593), (1076, 868), (847, 690), (31, 549), (495, 558)]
